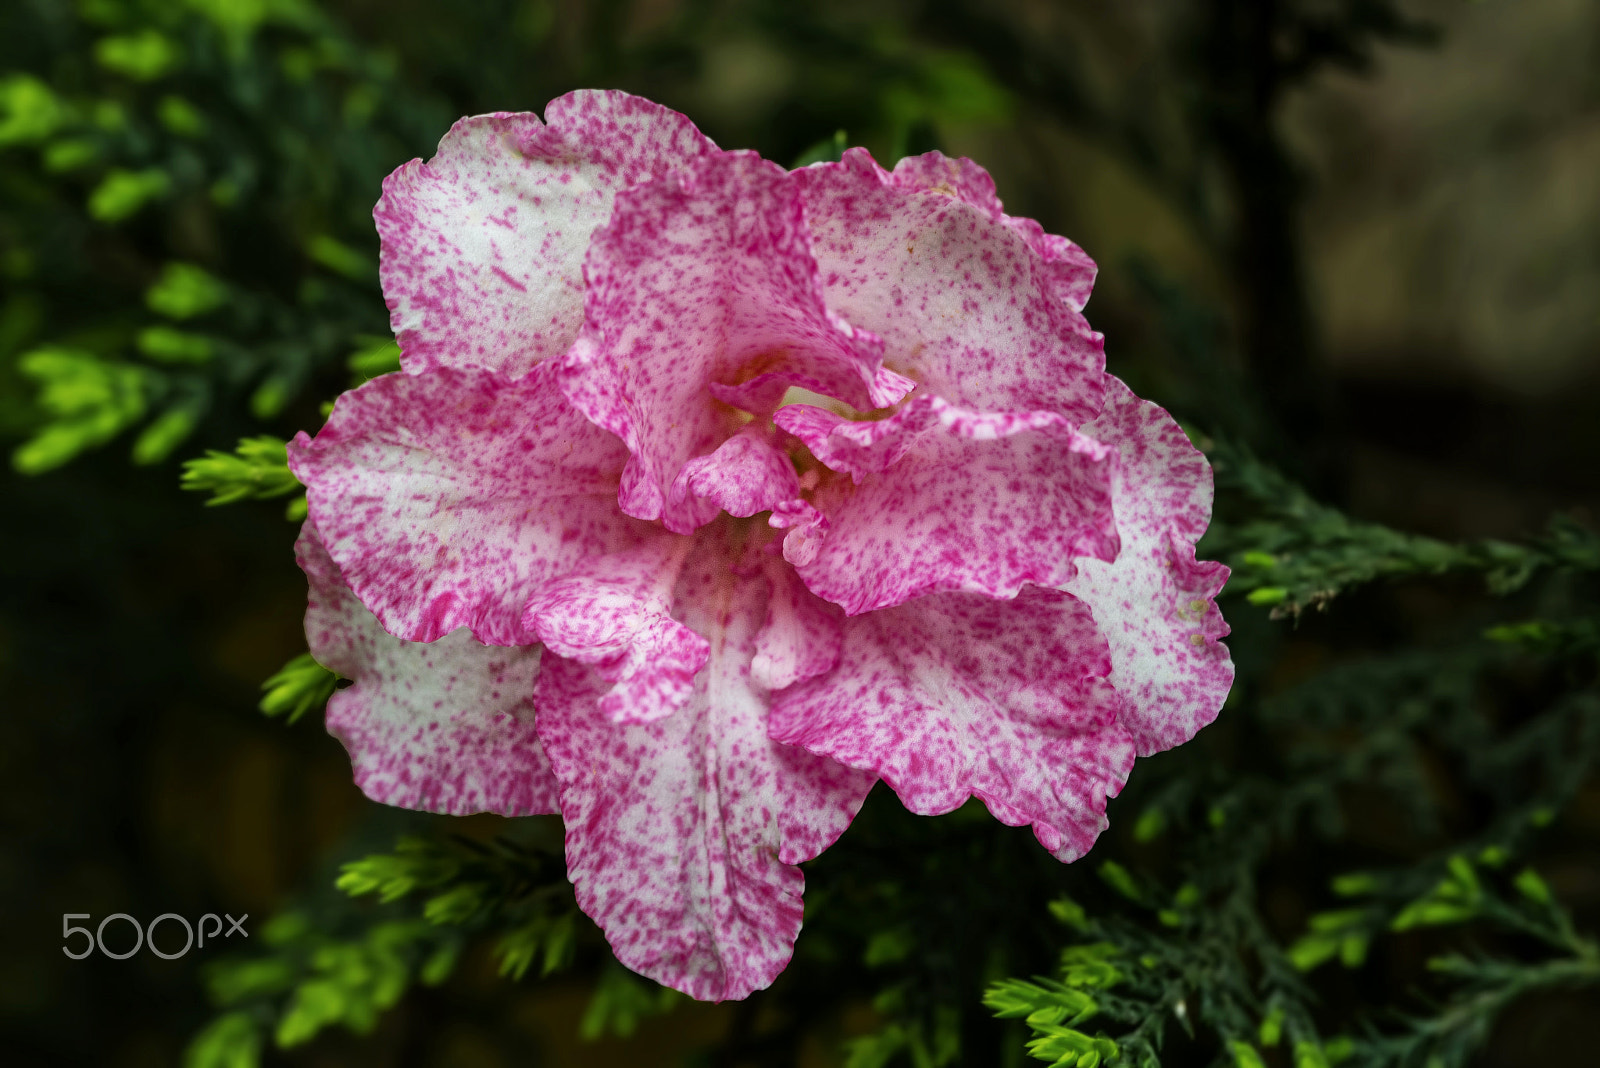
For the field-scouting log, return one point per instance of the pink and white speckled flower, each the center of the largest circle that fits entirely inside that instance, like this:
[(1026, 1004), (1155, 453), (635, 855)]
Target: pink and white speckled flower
[(711, 493)]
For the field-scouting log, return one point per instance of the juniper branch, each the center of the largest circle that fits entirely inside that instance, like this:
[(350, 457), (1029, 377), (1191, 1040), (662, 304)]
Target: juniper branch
[(1292, 552)]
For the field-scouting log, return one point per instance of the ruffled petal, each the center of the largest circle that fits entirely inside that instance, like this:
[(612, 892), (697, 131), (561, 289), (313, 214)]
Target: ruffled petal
[(615, 612), (945, 499), (745, 475), (483, 246), (446, 498), (1067, 268), (699, 280), (970, 304), (683, 833), (955, 696), (444, 727), (1155, 603)]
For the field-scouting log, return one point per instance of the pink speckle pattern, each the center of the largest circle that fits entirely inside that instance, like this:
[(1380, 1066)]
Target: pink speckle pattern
[(709, 493), (446, 727), (483, 245), (683, 834), (961, 696)]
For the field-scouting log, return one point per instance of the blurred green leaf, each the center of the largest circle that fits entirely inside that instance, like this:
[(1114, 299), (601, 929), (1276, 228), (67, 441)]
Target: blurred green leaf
[(1120, 879), (122, 193), (181, 117), (184, 291), (143, 56), (269, 397), (89, 402), (29, 110), (166, 345), (232, 1040), (69, 155), (1531, 886), (341, 258), (621, 1001), (164, 434)]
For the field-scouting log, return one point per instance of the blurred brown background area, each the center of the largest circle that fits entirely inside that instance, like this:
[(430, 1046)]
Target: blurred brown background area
[(1445, 215)]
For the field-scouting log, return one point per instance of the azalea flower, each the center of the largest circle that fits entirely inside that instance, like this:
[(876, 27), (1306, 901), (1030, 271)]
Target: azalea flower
[(711, 493)]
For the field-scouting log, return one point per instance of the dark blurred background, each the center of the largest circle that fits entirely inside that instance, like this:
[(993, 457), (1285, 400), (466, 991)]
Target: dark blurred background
[(1363, 237)]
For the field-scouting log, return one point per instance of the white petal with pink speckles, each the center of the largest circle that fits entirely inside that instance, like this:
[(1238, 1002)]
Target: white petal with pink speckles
[(445, 727), (956, 696), (446, 498), (802, 635), (483, 245), (944, 499), (967, 307), (706, 279), (1155, 604), (1066, 267), (614, 611), (683, 833)]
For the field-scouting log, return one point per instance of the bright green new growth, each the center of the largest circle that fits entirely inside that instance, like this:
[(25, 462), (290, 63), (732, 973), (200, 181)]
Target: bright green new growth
[(300, 686), (1456, 898), (1052, 1011), (1345, 933), (257, 469), (414, 865)]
